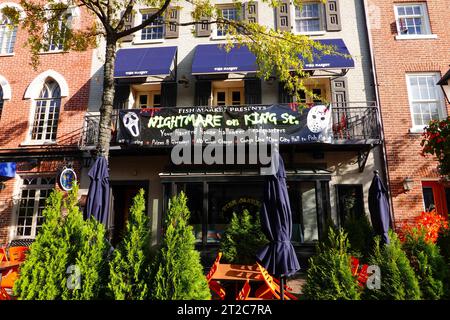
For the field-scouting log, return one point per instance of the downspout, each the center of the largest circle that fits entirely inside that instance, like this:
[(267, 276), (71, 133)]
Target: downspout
[(377, 98)]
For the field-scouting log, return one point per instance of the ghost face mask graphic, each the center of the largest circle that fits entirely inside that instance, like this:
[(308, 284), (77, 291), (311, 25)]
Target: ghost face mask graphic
[(131, 122), (318, 119)]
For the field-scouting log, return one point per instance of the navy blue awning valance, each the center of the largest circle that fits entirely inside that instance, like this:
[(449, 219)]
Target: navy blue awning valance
[(331, 61), (7, 169), (144, 62), (214, 59)]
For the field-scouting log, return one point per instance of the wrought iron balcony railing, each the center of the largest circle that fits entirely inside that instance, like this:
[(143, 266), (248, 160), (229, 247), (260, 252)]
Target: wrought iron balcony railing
[(352, 123)]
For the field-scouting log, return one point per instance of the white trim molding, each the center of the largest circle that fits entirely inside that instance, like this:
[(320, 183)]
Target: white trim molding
[(14, 5), (35, 86), (6, 88)]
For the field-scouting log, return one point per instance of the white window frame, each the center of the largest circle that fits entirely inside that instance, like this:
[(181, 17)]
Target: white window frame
[(322, 30), (418, 128), (68, 25), (150, 98), (38, 188), (30, 140), (8, 37), (215, 27), (137, 39), (425, 22)]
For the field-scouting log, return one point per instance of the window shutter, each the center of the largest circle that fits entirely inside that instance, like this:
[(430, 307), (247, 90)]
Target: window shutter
[(339, 92), (172, 18), (283, 95), (252, 89), (333, 18), (283, 13), (251, 12), (169, 94), (203, 30), (121, 96), (129, 22), (202, 93)]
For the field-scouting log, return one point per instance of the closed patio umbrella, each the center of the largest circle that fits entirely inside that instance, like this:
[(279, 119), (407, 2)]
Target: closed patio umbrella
[(97, 204), (278, 257), (379, 208)]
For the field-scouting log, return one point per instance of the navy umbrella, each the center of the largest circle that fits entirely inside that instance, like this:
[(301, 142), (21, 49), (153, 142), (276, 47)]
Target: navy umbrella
[(97, 204), (278, 257), (379, 208)]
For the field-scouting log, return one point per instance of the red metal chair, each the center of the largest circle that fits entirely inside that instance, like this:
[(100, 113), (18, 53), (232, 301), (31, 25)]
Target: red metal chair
[(7, 282), (214, 285), (271, 288), (17, 254), (244, 292)]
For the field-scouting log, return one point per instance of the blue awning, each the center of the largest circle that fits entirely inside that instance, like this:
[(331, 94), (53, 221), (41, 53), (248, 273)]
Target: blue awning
[(213, 59), (144, 62), (7, 169), (331, 61)]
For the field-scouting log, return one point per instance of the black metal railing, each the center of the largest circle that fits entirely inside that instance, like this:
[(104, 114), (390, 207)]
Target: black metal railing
[(356, 122), (352, 123), (90, 131)]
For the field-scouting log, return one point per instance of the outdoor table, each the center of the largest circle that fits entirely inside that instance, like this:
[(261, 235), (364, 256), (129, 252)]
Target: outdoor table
[(5, 265), (236, 272)]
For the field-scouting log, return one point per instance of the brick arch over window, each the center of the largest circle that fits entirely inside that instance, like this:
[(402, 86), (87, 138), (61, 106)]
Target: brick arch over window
[(36, 85), (6, 88)]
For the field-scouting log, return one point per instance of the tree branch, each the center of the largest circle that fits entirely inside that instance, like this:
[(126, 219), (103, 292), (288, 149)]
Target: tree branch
[(128, 9)]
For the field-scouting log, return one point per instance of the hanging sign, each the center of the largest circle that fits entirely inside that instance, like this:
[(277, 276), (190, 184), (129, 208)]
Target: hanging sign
[(67, 178)]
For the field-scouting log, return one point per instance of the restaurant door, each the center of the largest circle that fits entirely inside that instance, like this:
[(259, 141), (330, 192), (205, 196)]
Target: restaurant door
[(122, 196)]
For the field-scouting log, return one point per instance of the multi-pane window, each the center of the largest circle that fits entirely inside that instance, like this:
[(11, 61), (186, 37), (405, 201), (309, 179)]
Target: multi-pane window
[(230, 14), (8, 33), (59, 33), (412, 19), (424, 98), (46, 113), (35, 191), (1, 101), (308, 17), (153, 31), (149, 99)]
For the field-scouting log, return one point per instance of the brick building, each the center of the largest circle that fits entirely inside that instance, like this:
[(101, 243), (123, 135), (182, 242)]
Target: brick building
[(41, 115), (410, 43)]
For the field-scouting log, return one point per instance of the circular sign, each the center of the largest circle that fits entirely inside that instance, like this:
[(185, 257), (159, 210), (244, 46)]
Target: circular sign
[(67, 178)]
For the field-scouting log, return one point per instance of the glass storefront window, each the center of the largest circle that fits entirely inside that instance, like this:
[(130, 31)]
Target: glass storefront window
[(303, 200), (224, 199), (212, 205)]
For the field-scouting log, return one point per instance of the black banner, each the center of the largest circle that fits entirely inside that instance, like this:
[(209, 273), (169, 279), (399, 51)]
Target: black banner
[(165, 127)]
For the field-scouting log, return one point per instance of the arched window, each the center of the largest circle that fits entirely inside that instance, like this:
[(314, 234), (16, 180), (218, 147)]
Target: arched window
[(59, 32), (1, 101), (8, 33), (46, 112)]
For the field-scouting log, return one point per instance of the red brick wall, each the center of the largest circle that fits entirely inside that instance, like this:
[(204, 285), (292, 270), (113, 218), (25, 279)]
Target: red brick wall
[(75, 67), (394, 58)]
